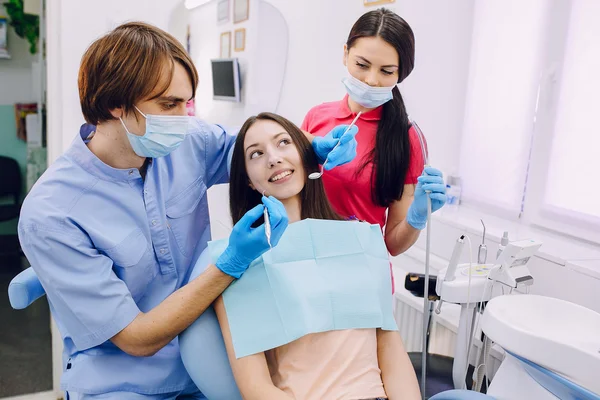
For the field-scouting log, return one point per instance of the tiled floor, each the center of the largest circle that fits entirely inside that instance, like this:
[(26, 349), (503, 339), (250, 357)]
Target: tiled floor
[(25, 342)]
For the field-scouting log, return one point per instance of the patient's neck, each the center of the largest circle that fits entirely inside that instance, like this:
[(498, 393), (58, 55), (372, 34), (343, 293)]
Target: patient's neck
[(293, 207)]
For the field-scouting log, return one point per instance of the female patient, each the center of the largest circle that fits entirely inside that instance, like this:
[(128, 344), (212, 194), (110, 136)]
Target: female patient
[(272, 156)]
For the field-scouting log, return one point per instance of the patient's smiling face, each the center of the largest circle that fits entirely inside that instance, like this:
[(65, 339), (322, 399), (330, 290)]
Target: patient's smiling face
[(273, 163)]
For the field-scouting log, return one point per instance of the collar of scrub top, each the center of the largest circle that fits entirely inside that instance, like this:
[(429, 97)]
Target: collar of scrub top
[(82, 156), (344, 112)]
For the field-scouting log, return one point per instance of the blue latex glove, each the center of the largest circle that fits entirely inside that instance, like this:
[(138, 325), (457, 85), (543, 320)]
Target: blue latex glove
[(432, 180), (343, 154), (247, 243)]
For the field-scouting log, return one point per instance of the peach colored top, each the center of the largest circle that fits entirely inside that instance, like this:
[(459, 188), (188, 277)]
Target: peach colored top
[(335, 365)]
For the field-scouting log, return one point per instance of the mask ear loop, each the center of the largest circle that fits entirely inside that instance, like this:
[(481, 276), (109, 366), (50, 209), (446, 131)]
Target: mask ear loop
[(138, 110)]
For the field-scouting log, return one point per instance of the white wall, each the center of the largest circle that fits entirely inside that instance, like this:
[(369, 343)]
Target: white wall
[(205, 39), (16, 72), (434, 92)]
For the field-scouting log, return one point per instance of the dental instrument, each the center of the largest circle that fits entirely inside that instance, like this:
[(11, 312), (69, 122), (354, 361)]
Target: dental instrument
[(317, 175), (503, 243), (451, 271), (426, 307), (482, 253), (454, 259), (267, 224), (267, 227)]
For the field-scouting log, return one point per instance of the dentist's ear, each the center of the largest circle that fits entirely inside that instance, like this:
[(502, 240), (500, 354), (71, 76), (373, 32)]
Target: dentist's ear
[(117, 112), (345, 58)]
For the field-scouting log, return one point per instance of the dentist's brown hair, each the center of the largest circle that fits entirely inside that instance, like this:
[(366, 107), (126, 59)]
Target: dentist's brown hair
[(133, 62)]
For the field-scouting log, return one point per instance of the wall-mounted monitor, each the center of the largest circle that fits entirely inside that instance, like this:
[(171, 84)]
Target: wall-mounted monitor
[(227, 84)]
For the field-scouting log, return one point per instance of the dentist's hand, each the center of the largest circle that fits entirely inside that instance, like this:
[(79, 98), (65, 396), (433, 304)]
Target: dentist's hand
[(343, 154), (247, 243), (431, 180)]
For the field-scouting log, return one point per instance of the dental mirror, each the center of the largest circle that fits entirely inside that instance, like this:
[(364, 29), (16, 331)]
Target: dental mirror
[(317, 175)]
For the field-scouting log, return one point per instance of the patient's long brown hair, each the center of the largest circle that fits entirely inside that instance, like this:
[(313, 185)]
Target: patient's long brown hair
[(313, 200)]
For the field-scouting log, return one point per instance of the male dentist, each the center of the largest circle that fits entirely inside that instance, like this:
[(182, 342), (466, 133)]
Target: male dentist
[(116, 224)]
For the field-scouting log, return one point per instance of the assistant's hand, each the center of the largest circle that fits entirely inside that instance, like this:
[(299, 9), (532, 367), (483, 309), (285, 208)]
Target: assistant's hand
[(343, 154), (247, 243), (431, 180)]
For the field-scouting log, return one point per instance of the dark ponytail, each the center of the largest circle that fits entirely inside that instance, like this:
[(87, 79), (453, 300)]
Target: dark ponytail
[(391, 154)]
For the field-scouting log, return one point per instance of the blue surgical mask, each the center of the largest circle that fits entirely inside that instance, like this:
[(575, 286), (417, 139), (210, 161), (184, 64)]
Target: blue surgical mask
[(164, 133), (365, 95)]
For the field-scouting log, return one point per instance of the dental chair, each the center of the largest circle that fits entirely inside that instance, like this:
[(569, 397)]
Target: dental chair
[(552, 347)]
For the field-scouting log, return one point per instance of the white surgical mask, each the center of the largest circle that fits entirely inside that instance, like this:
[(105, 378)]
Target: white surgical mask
[(365, 95), (164, 133)]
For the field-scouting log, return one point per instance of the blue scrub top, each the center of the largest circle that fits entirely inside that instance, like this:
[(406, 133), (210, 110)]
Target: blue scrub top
[(107, 244)]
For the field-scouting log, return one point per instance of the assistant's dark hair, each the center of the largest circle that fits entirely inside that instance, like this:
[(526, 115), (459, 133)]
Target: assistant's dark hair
[(243, 198), (391, 154)]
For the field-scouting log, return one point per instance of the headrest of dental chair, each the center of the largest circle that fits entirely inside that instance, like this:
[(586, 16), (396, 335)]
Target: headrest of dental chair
[(24, 289)]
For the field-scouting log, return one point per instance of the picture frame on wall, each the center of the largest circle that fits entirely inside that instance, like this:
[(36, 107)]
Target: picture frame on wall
[(239, 39), (377, 2), (225, 45), (223, 11), (241, 9), (4, 38)]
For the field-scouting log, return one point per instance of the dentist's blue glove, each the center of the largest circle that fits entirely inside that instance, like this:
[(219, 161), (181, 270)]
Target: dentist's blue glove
[(247, 243), (432, 180), (343, 154)]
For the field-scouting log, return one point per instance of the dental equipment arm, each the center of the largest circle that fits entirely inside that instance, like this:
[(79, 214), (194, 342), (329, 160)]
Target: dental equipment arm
[(451, 271), (482, 252), (474, 284), (397, 372), (251, 373)]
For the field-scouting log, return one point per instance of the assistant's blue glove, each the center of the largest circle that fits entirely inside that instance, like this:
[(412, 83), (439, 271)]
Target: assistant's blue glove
[(343, 154), (247, 243), (431, 180)]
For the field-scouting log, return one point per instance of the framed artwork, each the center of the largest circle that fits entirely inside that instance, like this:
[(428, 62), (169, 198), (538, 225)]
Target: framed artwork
[(225, 45), (239, 39), (3, 38), (240, 10), (223, 11), (377, 2)]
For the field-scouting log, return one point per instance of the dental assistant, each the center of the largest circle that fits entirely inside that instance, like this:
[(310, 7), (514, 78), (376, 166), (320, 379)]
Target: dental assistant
[(114, 227), (386, 176)]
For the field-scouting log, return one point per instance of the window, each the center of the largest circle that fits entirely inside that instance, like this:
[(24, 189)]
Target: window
[(500, 105), (530, 138)]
